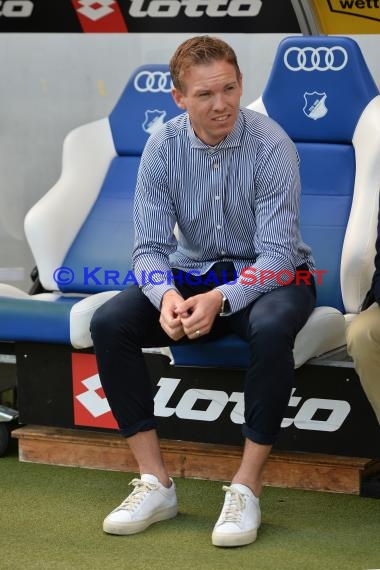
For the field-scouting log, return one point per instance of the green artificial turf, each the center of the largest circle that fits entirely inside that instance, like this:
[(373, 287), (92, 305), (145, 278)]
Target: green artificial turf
[(51, 518)]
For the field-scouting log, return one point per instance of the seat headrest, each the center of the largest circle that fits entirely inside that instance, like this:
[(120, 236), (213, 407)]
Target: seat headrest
[(145, 104), (318, 88)]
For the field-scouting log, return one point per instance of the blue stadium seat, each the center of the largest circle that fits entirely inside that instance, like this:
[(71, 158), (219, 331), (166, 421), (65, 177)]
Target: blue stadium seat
[(322, 93), (85, 221)]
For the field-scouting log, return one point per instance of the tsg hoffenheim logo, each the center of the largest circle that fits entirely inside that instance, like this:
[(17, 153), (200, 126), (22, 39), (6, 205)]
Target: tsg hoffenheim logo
[(153, 120), (315, 105)]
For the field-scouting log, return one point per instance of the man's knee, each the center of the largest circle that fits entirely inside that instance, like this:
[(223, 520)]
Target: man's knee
[(363, 333), (356, 334), (101, 322), (108, 319), (281, 313), (270, 331)]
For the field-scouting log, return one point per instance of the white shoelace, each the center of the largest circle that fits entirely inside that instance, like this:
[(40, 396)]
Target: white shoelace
[(234, 505), (141, 489)]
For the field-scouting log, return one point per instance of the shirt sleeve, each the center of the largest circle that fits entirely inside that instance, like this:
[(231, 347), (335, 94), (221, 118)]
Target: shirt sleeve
[(154, 219), (277, 202)]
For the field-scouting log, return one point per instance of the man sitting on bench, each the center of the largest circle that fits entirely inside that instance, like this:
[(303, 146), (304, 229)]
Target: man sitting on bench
[(229, 177)]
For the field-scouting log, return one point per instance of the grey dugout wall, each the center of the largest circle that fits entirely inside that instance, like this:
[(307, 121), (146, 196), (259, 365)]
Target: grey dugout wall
[(52, 83)]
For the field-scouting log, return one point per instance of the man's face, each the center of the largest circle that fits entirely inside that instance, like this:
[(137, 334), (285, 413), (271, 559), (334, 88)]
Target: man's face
[(211, 95)]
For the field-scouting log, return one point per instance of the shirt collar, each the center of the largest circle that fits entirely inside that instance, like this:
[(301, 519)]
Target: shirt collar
[(232, 139)]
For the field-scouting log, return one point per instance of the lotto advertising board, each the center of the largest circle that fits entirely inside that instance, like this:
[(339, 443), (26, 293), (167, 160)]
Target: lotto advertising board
[(327, 411), (207, 405), (148, 16)]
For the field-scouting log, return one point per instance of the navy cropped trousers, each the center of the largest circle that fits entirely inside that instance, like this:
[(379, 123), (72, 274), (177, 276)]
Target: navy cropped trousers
[(129, 322)]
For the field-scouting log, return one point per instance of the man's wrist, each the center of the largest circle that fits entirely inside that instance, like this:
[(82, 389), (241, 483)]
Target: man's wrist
[(224, 304), (168, 293)]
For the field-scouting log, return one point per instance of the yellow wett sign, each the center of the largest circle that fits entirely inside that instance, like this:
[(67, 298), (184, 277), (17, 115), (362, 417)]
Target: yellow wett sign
[(348, 16)]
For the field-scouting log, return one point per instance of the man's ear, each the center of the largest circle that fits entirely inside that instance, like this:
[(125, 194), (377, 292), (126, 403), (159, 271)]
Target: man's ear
[(179, 98)]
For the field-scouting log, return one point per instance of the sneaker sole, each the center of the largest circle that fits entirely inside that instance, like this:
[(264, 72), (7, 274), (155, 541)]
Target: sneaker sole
[(238, 539), (138, 526)]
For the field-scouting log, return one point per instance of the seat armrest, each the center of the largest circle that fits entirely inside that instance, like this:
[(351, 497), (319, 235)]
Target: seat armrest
[(81, 315)]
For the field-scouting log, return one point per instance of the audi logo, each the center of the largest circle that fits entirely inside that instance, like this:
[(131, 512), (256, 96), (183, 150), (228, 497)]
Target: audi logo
[(316, 59), (153, 82)]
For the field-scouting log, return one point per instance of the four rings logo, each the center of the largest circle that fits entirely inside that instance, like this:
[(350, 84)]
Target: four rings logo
[(316, 59), (153, 82)]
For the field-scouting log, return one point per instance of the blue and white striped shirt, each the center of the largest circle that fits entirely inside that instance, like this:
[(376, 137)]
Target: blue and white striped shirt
[(237, 201)]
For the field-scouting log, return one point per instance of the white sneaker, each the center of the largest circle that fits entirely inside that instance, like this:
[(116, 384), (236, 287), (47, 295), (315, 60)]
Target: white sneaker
[(240, 517), (148, 503)]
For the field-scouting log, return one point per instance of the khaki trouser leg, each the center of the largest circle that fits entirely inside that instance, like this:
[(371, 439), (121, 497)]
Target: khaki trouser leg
[(363, 344)]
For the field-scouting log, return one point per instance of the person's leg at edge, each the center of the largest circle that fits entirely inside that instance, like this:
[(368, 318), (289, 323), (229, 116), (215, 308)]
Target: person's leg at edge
[(363, 344), (270, 326)]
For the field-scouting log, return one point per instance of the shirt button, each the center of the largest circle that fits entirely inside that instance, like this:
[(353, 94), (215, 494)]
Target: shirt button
[(223, 252), (215, 165), (218, 227), (217, 197)]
